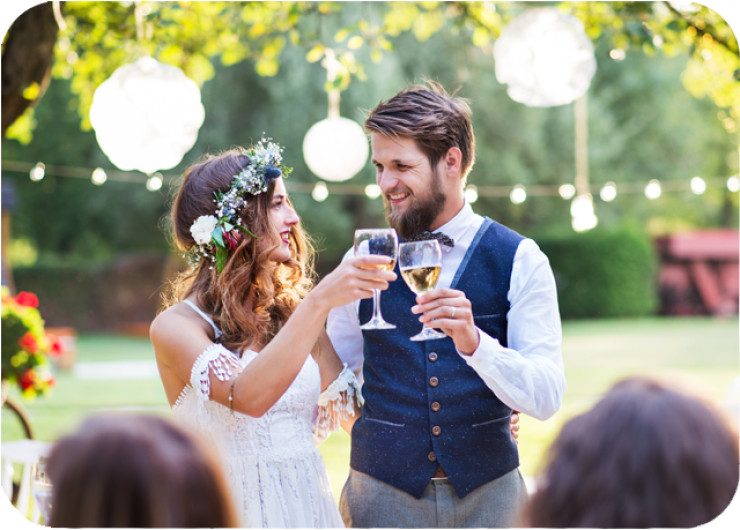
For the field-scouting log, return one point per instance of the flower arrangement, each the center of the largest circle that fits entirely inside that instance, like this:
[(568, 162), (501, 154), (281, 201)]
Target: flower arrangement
[(216, 235), (25, 345)]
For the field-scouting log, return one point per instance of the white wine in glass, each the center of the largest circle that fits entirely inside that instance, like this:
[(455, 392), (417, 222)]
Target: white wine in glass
[(381, 242), (421, 263)]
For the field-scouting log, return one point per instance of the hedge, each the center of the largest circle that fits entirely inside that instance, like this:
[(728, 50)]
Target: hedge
[(604, 273), (108, 296)]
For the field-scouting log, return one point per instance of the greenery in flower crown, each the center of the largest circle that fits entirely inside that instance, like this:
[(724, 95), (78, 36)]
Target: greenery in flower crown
[(25, 345), (215, 235)]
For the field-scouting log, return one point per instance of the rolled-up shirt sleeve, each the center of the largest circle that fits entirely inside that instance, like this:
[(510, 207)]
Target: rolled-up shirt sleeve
[(343, 328), (528, 375)]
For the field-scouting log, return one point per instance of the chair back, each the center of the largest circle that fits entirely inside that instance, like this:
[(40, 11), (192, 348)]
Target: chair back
[(26, 453)]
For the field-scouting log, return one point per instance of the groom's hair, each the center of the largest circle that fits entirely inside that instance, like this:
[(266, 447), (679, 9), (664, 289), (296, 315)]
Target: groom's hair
[(434, 119)]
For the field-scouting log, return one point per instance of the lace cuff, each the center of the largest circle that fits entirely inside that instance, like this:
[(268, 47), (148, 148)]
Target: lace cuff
[(217, 359), (337, 401)]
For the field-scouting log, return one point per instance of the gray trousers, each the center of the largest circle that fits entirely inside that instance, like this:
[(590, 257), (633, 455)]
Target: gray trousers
[(367, 502)]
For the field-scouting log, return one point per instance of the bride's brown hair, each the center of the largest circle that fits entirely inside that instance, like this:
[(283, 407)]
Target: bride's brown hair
[(253, 296)]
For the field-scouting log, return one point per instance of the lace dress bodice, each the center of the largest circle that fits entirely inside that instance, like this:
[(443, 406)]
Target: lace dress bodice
[(272, 465)]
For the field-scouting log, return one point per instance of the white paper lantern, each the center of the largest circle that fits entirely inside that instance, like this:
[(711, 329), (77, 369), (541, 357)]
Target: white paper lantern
[(146, 116), (545, 57), (335, 149)]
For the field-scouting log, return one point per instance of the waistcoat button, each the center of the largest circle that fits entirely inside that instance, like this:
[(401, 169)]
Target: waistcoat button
[(436, 431), (433, 381), (433, 356), (432, 457), (435, 406)]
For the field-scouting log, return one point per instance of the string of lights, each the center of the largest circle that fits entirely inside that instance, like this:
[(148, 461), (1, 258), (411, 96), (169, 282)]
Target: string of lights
[(320, 191)]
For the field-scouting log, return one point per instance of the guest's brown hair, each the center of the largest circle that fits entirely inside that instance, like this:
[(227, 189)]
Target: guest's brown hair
[(434, 119), (250, 275), (644, 456), (136, 471)]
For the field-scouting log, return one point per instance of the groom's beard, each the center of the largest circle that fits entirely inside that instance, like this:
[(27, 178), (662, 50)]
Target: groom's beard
[(420, 214)]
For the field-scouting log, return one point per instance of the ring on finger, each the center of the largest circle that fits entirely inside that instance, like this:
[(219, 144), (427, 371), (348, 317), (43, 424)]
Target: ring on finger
[(453, 312)]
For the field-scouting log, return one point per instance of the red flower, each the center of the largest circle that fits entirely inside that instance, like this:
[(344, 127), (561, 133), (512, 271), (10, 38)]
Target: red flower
[(27, 379), (232, 238), (27, 299), (29, 343), (56, 348), (50, 380)]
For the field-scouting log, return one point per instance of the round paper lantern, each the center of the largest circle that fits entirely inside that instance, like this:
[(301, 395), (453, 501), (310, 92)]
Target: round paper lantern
[(146, 116), (545, 57), (335, 149)]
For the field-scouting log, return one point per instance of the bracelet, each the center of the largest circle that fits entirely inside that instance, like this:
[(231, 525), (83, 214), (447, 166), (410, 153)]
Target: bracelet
[(231, 396)]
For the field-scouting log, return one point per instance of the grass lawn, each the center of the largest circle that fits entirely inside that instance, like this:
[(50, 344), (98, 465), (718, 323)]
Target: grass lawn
[(701, 351)]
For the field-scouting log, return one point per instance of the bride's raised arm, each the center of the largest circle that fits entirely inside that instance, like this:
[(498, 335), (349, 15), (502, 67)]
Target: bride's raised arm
[(181, 342)]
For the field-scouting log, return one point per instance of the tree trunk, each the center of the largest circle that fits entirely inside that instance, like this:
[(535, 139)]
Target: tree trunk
[(26, 59)]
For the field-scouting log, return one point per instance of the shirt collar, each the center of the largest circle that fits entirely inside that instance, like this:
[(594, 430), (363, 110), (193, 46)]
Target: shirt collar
[(458, 225)]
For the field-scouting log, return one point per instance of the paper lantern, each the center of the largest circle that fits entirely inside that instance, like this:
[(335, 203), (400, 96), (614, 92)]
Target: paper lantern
[(545, 57), (335, 149), (146, 116)]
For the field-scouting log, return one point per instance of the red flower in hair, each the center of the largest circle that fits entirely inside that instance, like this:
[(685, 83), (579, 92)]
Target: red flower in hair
[(29, 343), (27, 299), (27, 379), (56, 348)]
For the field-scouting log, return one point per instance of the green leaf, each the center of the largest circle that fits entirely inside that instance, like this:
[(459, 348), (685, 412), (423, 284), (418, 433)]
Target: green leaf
[(228, 227), (221, 255), (242, 229), (219, 237)]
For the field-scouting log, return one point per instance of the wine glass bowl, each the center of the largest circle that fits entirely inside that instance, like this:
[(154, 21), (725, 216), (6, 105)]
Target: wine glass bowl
[(420, 263), (381, 242)]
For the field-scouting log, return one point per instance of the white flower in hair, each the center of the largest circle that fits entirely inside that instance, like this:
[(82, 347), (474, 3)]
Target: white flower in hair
[(202, 228)]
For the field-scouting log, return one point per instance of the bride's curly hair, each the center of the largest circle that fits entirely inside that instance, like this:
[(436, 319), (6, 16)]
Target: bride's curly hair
[(253, 296)]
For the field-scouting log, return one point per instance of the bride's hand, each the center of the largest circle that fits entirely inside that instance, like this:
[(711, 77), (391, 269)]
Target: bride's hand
[(353, 279)]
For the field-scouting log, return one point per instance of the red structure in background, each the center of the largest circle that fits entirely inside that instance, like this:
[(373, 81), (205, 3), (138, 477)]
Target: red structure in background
[(699, 272)]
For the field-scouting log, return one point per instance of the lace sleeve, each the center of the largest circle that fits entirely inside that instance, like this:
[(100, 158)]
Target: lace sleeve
[(216, 359), (337, 401)]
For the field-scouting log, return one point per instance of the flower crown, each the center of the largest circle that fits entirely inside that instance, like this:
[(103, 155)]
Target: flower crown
[(215, 235)]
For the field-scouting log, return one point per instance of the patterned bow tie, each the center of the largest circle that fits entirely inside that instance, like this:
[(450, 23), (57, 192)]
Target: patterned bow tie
[(439, 236)]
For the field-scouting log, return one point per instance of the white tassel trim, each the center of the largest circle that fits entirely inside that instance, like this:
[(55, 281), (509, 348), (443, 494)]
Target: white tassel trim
[(217, 359), (336, 402)]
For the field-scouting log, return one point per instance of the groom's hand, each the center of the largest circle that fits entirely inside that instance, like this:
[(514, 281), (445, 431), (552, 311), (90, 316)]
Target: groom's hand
[(450, 311)]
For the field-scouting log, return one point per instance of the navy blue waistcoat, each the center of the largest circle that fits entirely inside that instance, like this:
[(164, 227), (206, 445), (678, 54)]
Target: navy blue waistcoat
[(394, 440)]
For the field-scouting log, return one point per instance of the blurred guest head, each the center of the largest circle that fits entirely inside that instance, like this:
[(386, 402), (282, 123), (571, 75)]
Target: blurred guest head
[(647, 455), (136, 471)]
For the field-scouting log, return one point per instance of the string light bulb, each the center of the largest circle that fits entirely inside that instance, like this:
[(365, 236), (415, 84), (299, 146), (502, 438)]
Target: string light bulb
[(99, 177), (567, 191), (373, 191), (609, 192), (37, 173), (518, 195), (471, 194), (698, 186), (320, 192), (652, 190), (733, 183)]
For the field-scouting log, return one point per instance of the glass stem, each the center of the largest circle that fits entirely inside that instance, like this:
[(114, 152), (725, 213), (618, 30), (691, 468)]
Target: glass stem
[(377, 315)]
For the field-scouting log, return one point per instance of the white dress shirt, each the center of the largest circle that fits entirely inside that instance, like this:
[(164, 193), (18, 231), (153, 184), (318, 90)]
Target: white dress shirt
[(527, 376)]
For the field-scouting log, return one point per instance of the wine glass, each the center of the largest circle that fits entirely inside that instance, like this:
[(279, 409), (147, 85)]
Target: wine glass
[(42, 490), (421, 263), (383, 242)]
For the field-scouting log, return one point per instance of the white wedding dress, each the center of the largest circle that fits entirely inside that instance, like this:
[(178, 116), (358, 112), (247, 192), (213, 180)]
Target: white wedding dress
[(274, 471)]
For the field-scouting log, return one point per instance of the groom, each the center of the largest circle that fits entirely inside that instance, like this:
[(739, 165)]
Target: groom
[(433, 447)]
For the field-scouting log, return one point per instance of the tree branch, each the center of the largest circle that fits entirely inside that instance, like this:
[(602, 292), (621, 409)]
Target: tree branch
[(27, 58), (701, 32)]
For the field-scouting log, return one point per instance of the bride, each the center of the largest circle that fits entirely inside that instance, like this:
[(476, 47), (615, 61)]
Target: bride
[(242, 350)]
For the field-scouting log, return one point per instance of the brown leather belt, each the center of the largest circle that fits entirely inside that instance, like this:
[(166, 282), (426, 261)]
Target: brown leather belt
[(440, 473)]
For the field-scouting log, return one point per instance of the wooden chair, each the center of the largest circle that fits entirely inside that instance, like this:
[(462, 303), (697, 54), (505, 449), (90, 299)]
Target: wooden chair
[(26, 453)]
